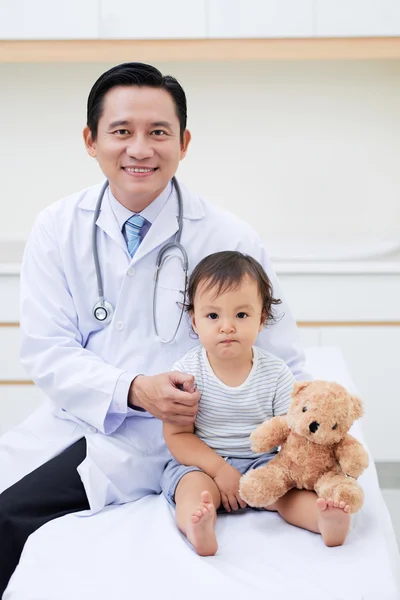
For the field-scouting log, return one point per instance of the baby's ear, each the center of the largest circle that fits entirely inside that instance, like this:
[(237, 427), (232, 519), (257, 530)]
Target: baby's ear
[(358, 409), (262, 320), (193, 321), (299, 385)]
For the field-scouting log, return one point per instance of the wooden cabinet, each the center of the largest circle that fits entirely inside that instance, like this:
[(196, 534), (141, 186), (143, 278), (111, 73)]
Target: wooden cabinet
[(49, 19), (157, 19)]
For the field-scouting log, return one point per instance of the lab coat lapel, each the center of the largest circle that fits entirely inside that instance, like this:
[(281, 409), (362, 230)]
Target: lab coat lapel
[(163, 228), (109, 224)]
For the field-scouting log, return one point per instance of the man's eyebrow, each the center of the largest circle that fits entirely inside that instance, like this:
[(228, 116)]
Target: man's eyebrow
[(161, 124), (125, 122), (120, 123)]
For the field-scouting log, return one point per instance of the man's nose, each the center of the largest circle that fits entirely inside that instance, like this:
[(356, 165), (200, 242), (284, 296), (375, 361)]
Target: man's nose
[(140, 148)]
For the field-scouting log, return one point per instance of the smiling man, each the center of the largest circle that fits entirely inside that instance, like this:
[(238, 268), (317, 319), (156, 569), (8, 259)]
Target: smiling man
[(107, 374)]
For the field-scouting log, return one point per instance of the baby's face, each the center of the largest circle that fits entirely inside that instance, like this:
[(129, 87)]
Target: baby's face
[(228, 324)]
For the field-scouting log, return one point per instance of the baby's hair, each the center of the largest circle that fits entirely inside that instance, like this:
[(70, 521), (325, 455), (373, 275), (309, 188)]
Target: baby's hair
[(225, 271)]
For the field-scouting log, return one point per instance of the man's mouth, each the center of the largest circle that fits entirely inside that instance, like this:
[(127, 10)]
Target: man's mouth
[(140, 169)]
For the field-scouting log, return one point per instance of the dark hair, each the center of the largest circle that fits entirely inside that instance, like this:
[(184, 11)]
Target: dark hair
[(138, 74), (225, 271)]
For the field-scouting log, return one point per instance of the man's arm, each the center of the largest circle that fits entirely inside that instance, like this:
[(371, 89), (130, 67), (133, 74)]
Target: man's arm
[(75, 379)]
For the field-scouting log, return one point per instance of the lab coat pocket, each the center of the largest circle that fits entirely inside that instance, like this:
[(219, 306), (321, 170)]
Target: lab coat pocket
[(145, 435), (169, 310)]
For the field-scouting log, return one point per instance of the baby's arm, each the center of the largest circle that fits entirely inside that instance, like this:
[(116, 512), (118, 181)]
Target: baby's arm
[(189, 450), (274, 432)]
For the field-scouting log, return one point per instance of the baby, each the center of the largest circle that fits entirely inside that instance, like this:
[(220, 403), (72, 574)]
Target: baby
[(241, 385)]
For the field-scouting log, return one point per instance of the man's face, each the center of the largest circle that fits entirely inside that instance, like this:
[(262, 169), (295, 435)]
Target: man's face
[(138, 144)]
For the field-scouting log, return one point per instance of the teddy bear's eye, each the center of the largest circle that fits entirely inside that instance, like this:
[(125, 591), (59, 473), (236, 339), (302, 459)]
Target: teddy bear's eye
[(304, 409), (335, 426)]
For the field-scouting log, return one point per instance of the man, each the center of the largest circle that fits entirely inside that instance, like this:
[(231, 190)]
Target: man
[(94, 443)]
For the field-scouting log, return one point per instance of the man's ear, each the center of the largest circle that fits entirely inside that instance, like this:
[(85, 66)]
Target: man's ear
[(187, 136), (90, 145)]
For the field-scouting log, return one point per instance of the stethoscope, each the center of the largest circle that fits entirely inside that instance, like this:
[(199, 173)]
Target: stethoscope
[(103, 310)]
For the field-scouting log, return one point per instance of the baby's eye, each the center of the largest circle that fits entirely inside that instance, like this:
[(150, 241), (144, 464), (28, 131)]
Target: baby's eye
[(212, 316), (304, 409), (335, 426), (242, 315)]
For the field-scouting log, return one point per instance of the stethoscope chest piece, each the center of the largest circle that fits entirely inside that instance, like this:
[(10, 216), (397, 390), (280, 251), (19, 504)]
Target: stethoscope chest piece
[(103, 311)]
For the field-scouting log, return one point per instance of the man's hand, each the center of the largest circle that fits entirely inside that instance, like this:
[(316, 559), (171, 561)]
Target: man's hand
[(171, 397), (227, 480)]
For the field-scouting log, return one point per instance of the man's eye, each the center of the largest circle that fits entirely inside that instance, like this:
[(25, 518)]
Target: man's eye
[(159, 132), (212, 316), (121, 131), (242, 315)]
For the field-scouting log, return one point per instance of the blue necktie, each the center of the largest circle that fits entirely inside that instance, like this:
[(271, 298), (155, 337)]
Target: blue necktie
[(132, 229)]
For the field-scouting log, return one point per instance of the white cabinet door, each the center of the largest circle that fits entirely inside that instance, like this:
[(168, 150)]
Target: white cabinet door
[(372, 355), (17, 403), (335, 18), (9, 294), (10, 366), (310, 336), (260, 18), (343, 297), (49, 19), (153, 19)]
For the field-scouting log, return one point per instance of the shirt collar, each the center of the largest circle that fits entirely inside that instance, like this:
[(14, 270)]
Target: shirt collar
[(150, 213)]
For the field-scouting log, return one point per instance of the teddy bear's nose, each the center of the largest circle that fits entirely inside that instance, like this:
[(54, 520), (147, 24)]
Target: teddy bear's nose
[(313, 426)]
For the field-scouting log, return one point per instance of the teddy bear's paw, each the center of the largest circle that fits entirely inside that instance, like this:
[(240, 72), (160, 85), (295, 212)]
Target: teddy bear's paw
[(255, 490), (351, 494)]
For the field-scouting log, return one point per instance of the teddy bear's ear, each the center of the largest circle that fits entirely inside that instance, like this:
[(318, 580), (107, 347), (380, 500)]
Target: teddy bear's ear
[(299, 385), (358, 409)]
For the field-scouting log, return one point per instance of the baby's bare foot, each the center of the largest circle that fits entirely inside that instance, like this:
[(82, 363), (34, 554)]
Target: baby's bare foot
[(333, 521), (200, 529)]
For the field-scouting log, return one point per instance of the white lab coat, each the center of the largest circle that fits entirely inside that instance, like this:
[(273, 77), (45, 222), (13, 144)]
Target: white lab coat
[(84, 367)]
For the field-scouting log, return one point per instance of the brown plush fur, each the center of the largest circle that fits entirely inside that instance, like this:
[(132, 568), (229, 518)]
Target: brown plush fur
[(313, 455)]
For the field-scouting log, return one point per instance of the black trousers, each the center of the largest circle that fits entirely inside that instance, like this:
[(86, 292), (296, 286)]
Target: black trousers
[(51, 491)]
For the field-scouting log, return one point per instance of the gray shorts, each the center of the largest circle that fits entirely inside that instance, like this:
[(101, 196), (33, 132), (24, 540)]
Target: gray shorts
[(174, 472)]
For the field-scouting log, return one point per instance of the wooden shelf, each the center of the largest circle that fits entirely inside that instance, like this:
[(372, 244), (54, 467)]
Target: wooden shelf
[(199, 50)]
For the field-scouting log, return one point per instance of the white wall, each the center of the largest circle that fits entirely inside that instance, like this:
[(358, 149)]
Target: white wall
[(301, 150)]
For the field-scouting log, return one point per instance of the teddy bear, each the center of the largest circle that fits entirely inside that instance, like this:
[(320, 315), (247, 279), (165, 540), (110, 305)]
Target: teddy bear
[(316, 450)]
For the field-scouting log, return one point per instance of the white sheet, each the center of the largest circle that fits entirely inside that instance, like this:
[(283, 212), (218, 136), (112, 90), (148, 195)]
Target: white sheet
[(135, 550)]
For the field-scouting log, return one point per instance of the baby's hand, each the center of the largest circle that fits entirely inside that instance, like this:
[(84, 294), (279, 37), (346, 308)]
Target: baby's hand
[(227, 480)]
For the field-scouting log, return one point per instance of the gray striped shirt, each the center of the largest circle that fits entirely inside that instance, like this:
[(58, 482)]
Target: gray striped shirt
[(227, 415)]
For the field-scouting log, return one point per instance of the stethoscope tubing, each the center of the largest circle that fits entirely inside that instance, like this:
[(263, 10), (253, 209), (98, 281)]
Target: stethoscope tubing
[(104, 308)]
